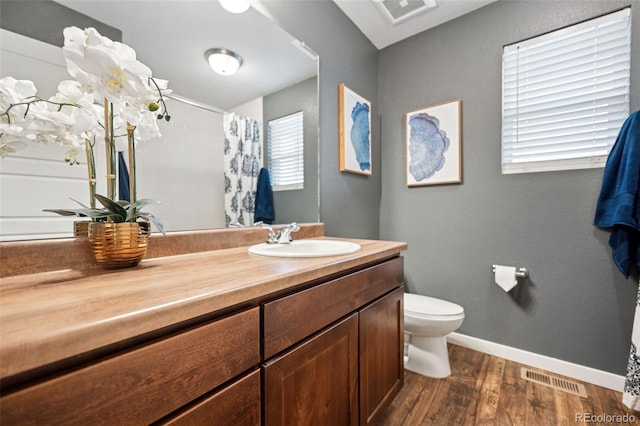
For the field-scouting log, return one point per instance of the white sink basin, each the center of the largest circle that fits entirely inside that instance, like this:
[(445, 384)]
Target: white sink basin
[(306, 248)]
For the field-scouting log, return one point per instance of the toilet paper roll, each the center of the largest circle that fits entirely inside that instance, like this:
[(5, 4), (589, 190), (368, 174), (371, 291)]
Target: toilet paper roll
[(506, 277)]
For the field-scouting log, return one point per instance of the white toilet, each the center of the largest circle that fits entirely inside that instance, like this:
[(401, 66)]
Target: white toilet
[(427, 321)]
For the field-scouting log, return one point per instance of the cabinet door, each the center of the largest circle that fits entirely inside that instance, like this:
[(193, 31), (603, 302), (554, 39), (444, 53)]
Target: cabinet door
[(381, 354), (316, 383)]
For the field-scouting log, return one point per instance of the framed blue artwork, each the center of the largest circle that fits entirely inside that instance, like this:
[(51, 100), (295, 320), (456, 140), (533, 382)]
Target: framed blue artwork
[(434, 144), (355, 132)]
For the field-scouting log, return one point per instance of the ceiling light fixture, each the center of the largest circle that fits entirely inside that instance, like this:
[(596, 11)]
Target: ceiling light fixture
[(223, 61), (235, 6)]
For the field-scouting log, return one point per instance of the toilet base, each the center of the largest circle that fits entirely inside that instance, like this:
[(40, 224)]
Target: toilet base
[(428, 356)]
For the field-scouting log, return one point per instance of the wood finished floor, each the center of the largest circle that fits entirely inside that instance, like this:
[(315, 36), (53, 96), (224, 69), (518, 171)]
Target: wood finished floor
[(487, 390)]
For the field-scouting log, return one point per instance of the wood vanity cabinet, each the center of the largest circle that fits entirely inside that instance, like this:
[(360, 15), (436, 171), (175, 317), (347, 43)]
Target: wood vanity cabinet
[(149, 382), (333, 353), (326, 353)]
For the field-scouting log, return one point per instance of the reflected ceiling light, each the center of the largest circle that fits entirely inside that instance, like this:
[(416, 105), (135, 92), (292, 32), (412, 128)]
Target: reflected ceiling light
[(223, 61), (235, 6)]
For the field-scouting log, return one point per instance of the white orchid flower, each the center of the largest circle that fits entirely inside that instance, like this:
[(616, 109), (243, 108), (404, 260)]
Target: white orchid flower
[(64, 119), (147, 129), (11, 147), (86, 117), (14, 91), (106, 75), (12, 139), (106, 69)]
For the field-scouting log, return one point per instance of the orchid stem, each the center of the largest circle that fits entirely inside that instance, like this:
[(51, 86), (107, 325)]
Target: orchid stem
[(110, 149), (132, 163), (91, 168), (34, 99)]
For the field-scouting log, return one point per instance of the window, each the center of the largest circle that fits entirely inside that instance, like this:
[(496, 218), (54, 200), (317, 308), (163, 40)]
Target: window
[(285, 147), (565, 95)]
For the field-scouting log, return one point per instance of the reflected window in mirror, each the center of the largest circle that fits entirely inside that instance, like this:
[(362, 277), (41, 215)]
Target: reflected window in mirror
[(285, 148)]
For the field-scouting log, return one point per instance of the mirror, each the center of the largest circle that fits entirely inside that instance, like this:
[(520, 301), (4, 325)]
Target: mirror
[(185, 167)]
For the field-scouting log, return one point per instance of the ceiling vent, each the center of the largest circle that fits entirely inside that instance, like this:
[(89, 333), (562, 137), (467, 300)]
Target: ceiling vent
[(396, 11)]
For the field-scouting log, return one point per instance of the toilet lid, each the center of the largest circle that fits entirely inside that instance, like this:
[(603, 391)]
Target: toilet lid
[(419, 304)]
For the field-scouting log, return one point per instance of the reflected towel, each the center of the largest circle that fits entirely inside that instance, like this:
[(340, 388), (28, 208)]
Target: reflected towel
[(265, 211), (618, 205), (123, 178)]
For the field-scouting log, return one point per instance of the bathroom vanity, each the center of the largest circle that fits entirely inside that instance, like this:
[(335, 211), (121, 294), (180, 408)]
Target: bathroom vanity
[(212, 337)]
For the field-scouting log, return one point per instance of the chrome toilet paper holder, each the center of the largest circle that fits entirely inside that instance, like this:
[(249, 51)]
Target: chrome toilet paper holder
[(520, 272)]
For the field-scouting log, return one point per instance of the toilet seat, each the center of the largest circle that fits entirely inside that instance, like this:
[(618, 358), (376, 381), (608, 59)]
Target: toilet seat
[(418, 306)]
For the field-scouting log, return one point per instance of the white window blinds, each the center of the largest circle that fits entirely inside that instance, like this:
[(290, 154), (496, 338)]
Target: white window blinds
[(565, 95), (285, 147)]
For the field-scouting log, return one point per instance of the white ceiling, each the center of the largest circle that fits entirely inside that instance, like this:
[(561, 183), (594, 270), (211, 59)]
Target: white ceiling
[(366, 15), (171, 36)]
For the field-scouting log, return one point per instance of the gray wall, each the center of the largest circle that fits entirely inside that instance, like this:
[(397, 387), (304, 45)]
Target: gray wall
[(349, 203), (300, 205), (576, 306), (44, 20)]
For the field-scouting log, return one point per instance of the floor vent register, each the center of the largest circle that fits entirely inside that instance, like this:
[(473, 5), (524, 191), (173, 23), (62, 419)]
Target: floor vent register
[(553, 382)]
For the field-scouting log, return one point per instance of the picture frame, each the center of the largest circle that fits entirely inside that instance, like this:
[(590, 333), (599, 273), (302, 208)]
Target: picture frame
[(433, 137), (355, 132)]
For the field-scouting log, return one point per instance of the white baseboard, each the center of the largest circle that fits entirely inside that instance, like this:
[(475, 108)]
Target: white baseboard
[(576, 371)]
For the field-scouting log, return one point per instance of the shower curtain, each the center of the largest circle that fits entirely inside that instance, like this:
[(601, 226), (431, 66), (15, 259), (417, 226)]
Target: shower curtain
[(242, 160), (631, 394), (617, 210)]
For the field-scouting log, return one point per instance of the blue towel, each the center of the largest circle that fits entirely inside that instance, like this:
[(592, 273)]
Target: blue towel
[(265, 211), (618, 206), (123, 179)]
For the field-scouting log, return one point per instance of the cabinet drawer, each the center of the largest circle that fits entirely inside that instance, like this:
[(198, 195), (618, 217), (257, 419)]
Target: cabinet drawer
[(146, 383), (236, 405), (292, 318)]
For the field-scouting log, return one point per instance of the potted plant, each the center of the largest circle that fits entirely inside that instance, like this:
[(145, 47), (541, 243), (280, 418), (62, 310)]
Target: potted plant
[(112, 96), (119, 232)]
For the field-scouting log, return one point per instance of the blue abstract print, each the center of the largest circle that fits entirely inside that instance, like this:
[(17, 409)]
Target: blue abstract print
[(427, 145), (360, 135)]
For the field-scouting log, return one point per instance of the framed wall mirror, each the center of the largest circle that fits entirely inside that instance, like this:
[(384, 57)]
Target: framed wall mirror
[(185, 168)]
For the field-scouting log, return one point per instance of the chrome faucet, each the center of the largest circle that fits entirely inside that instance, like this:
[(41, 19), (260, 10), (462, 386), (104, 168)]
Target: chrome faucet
[(284, 235), (272, 238)]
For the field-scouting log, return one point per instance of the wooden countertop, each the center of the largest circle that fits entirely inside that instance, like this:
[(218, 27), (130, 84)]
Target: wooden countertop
[(51, 316)]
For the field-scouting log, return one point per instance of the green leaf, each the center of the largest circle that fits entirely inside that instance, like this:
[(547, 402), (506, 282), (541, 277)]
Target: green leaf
[(62, 212), (119, 213), (155, 220), (92, 213), (133, 210), (83, 206), (144, 202)]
